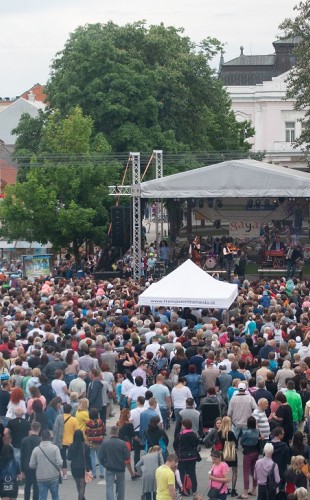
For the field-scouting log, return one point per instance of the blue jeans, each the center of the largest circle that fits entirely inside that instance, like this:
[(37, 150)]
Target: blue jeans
[(46, 486), (120, 482), (94, 458), (164, 415), (237, 430)]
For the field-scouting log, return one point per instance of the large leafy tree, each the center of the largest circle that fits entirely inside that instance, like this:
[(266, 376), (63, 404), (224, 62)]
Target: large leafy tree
[(61, 200), (146, 88), (298, 28)]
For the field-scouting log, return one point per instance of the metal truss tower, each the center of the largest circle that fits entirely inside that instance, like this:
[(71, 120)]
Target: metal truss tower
[(136, 215), (159, 204)]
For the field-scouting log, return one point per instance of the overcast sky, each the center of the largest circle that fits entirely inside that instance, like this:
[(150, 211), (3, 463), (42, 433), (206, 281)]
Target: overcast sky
[(32, 31)]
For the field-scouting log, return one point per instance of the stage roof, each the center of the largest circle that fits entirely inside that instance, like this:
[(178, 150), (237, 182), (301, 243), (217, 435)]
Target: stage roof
[(231, 179)]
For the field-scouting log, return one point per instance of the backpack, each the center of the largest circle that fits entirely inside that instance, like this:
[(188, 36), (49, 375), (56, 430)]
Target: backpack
[(271, 481)]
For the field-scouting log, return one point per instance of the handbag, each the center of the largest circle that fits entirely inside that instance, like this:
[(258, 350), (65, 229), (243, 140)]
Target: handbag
[(229, 451), (8, 484), (88, 475), (187, 485), (213, 491)]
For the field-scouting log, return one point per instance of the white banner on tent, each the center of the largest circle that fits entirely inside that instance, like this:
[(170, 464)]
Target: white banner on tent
[(244, 229)]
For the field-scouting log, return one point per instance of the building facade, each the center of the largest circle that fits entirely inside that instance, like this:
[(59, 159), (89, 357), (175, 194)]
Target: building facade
[(257, 86)]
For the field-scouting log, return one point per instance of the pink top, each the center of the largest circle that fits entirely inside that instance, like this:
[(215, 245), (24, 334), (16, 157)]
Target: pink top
[(219, 471), (30, 403)]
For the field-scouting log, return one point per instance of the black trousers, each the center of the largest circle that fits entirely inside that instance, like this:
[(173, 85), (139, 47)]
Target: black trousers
[(189, 468), (31, 481), (263, 493), (136, 449)]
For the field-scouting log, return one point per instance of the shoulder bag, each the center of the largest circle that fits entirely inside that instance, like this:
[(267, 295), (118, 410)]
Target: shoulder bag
[(229, 451), (59, 473), (88, 475), (214, 492)]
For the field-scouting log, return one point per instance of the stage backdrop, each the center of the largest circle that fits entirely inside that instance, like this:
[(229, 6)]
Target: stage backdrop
[(37, 265), (244, 229)]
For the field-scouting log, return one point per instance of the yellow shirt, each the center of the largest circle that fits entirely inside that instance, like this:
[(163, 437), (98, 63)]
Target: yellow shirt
[(70, 427), (82, 417), (164, 478)]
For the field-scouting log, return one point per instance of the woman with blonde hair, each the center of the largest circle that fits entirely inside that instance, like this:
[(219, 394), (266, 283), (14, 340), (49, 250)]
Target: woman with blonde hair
[(246, 355), (226, 435), (297, 474), (147, 467), (82, 414)]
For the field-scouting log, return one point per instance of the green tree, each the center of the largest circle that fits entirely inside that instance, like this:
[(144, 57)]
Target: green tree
[(298, 80), (146, 88), (64, 202)]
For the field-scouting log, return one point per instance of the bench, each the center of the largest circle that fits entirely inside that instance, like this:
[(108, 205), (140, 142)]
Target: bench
[(271, 271)]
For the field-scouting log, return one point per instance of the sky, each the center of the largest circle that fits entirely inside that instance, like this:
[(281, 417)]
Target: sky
[(33, 31)]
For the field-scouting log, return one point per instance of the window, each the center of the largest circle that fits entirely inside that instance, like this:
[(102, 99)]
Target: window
[(289, 131)]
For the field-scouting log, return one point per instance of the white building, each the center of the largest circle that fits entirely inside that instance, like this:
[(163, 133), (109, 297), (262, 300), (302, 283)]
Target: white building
[(257, 88), (11, 111)]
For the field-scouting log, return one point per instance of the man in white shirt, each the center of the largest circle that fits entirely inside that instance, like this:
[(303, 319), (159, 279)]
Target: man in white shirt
[(136, 391), (154, 346), (135, 416)]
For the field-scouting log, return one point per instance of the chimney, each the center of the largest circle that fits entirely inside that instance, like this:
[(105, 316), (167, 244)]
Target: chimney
[(31, 96)]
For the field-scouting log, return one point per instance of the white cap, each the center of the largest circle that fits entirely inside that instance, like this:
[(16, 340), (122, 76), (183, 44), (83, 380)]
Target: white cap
[(242, 386)]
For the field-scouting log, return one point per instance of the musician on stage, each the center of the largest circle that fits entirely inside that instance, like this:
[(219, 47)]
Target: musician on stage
[(228, 258), (194, 251), (277, 244), (292, 257)]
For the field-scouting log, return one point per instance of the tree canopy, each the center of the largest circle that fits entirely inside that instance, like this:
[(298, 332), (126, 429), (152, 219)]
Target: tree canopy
[(298, 28), (146, 88), (61, 201)]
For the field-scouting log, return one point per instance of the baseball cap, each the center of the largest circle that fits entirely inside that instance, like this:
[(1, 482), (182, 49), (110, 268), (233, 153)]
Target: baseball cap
[(241, 386), (118, 311)]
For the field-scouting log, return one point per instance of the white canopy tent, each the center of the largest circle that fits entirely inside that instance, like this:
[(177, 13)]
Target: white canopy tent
[(236, 178), (189, 286)]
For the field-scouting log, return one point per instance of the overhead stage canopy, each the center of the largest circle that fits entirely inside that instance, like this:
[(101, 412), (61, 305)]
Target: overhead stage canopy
[(189, 286), (231, 179)]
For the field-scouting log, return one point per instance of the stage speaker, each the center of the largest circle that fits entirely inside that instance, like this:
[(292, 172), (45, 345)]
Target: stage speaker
[(121, 224)]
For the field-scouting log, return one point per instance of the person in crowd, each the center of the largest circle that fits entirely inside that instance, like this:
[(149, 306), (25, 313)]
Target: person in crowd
[(28, 444), (185, 446), (263, 467), (219, 475), (283, 416), (9, 470), (82, 414), (113, 455), (250, 447), (179, 394), (47, 462), (54, 408), (154, 436), (189, 413), (126, 433), (281, 454), (19, 428), (63, 431), (240, 409), (95, 431), (165, 478), (214, 398), (17, 400), (162, 395), (193, 381), (146, 467), (38, 415), (226, 435), (34, 395), (79, 455), (297, 474)]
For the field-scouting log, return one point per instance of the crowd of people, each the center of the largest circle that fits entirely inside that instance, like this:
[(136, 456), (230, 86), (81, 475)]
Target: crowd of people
[(77, 353)]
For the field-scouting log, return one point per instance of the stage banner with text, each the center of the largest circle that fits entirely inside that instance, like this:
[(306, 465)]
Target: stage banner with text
[(37, 265), (244, 229)]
